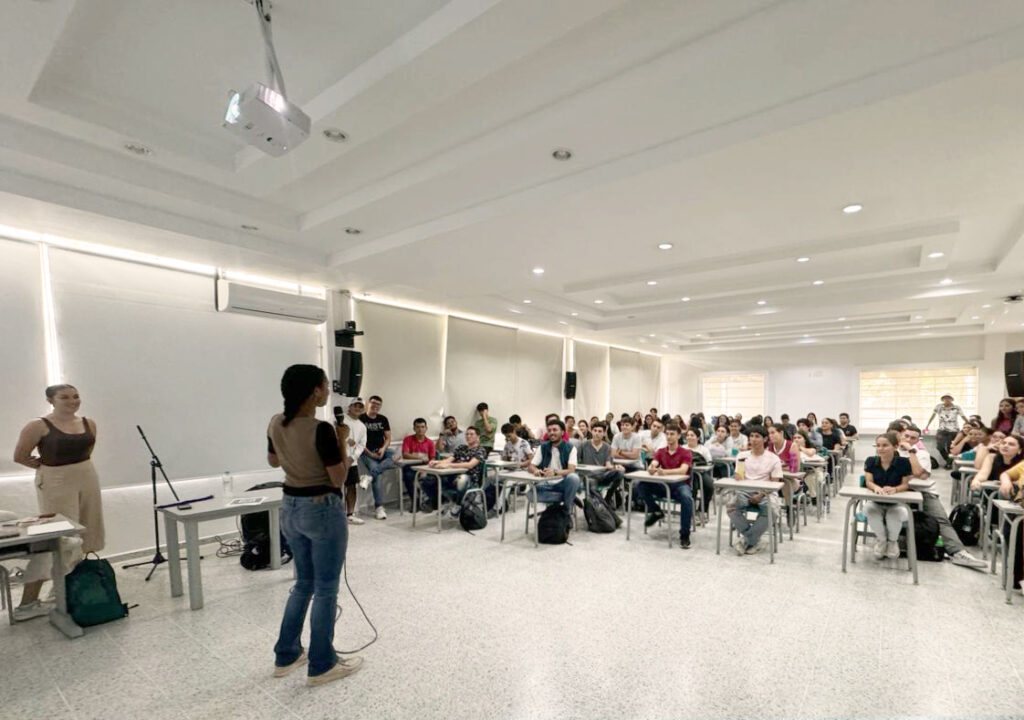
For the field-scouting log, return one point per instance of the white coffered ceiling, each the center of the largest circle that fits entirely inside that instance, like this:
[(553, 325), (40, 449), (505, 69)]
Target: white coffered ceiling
[(736, 131)]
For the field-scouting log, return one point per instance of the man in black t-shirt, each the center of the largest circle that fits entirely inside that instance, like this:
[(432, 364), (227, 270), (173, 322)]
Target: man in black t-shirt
[(377, 459), (848, 430)]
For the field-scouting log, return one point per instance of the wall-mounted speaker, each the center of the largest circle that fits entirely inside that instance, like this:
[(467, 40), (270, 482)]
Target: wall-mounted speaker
[(1013, 364), (570, 385), (350, 373)]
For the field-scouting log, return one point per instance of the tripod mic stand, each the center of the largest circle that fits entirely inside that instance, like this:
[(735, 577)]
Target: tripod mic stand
[(154, 465)]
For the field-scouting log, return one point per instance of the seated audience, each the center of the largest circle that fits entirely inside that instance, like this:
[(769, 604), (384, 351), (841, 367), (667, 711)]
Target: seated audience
[(377, 458), (416, 447), (1011, 488), (736, 441), (583, 430), (753, 464), (701, 457), (672, 460), (597, 452), (813, 435), (626, 446), (718, 445), (451, 437), (470, 457), (697, 425), (886, 473), (486, 426), (1008, 453), (556, 459), (517, 449), (812, 419), (813, 476), (522, 430), (653, 439), (1018, 424), (788, 428), (848, 430), (570, 427), (1005, 417)]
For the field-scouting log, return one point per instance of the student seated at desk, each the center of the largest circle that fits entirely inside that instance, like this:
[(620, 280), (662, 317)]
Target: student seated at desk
[(517, 448), (814, 476), (886, 473), (416, 447), (718, 445), (1009, 453), (654, 439), (989, 447), (754, 464), (556, 459), (675, 461), (451, 437), (811, 434), (701, 456), (626, 445), (849, 430), (470, 457), (1011, 487), (737, 440), (597, 452)]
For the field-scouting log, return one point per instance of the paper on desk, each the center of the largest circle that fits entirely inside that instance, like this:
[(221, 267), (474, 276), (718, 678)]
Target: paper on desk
[(49, 527)]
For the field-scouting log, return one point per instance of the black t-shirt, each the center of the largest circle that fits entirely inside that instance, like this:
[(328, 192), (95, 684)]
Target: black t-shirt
[(326, 444), (464, 453), (849, 430), (830, 441), (375, 429), (892, 477)]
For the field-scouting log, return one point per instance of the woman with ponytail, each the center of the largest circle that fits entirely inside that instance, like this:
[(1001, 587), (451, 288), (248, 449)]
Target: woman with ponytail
[(313, 521)]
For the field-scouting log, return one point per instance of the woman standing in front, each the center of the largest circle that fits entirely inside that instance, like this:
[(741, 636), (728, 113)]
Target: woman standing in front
[(66, 481), (314, 523), (887, 473)]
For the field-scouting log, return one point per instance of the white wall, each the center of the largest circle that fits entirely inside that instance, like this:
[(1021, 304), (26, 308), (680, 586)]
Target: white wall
[(826, 378)]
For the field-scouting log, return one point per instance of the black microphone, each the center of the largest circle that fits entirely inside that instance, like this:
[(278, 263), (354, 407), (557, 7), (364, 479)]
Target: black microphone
[(339, 415)]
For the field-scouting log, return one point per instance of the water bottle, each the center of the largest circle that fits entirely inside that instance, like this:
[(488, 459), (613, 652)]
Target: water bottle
[(229, 483)]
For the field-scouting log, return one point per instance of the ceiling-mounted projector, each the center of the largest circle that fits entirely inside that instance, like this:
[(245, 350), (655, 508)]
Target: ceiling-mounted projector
[(265, 119), (261, 115)]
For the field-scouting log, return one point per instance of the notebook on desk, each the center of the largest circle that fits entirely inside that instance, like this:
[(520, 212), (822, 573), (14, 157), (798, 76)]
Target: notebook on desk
[(50, 527)]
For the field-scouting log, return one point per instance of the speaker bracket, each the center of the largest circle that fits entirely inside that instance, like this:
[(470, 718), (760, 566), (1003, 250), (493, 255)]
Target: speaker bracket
[(345, 338)]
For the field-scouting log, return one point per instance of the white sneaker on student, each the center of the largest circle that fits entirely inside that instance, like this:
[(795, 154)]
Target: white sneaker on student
[(881, 545), (740, 545), (364, 481), (281, 671), (342, 669), (32, 610), (355, 520), (965, 559), (381, 515), (893, 550)]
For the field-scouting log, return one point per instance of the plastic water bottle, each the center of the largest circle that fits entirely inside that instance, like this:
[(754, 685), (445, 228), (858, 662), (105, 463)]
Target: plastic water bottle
[(229, 483)]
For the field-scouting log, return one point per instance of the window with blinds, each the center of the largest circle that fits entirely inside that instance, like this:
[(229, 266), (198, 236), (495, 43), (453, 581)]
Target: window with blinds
[(888, 394), (733, 393)]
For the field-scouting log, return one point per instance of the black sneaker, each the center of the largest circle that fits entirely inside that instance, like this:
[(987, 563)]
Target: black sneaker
[(684, 543), (653, 517)]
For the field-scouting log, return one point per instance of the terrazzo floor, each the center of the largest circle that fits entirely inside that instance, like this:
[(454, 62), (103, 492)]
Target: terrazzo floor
[(605, 628)]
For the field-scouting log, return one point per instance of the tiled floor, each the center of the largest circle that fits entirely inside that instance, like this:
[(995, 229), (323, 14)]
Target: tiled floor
[(470, 628)]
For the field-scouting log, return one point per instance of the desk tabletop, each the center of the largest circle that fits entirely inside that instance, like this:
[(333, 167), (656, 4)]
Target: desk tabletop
[(816, 461), (728, 459), (524, 476), (219, 507), (793, 475), (438, 470), (644, 475), (1009, 507), (499, 463), (907, 496), (919, 485), (735, 484), (23, 538)]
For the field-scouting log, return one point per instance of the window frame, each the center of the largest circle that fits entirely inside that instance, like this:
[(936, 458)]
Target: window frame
[(765, 379), (863, 426)]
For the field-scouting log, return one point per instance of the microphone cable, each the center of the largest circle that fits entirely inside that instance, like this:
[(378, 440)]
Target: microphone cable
[(369, 622)]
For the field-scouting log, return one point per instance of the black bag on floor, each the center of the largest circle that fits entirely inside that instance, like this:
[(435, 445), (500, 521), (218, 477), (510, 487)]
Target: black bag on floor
[(491, 496), (935, 463), (473, 514), (926, 534), (553, 525), (256, 536), (600, 517), (966, 520), (92, 595)]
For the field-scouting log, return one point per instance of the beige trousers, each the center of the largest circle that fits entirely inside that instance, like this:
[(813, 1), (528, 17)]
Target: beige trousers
[(74, 492)]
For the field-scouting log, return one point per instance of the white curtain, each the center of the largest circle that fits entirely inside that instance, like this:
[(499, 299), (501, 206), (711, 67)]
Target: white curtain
[(402, 362), (635, 380), (22, 351), (538, 388), (145, 346), (591, 380), (480, 367)]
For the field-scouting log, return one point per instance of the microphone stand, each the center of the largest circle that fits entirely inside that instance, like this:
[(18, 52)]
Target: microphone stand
[(154, 465)]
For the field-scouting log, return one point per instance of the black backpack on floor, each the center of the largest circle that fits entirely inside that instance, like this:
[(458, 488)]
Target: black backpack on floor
[(600, 517), (966, 520), (926, 535), (256, 536), (553, 525), (473, 515), (92, 594)]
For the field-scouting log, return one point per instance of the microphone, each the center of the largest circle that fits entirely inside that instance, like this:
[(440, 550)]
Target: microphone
[(339, 415)]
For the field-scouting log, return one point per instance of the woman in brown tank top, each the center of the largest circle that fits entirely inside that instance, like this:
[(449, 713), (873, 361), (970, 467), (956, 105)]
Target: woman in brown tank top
[(66, 481)]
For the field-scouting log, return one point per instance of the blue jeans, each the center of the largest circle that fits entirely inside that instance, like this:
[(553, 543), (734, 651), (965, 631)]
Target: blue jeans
[(375, 468), (750, 531), (563, 491), (317, 533), (452, 485), (681, 493)]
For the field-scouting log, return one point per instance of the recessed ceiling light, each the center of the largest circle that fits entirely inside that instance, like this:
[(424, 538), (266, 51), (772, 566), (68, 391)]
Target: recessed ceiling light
[(527, 302), (561, 154), (946, 281), (562, 322), (138, 149), (517, 312), (927, 327), (841, 319), (538, 271), (599, 302), (806, 336), (698, 335), (917, 317), (652, 282), (846, 327), (936, 255), (985, 307), (803, 259), (743, 327), (974, 317), (574, 314), (757, 334), (335, 135), (685, 299), (665, 346), (818, 282), (664, 246), (651, 335), (352, 230), (762, 302), (853, 209), (250, 228)]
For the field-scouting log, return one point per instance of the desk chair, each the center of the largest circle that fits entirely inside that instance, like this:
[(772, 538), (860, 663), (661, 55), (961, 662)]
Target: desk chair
[(860, 518), (5, 594)]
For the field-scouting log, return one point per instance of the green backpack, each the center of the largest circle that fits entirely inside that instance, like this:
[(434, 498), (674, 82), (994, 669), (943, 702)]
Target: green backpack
[(92, 593)]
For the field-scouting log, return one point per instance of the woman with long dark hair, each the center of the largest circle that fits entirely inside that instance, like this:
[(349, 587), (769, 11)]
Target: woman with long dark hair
[(313, 521), (1006, 417)]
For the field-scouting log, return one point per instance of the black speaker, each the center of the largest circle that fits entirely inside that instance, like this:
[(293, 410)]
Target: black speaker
[(1013, 364), (350, 373), (570, 385)]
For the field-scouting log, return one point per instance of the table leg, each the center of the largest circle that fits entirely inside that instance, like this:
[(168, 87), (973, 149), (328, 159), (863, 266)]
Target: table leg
[(771, 543), (440, 482), (629, 506), (1010, 553), (536, 532), (195, 577), (986, 536), (911, 542), (846, 529), (668, 516), (718, 535), (416, 496), (173, 554), (275, 539), (504, 508), (59, 617)]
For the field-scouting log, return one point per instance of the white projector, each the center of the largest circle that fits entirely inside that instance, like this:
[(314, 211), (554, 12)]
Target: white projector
[(265, 119)]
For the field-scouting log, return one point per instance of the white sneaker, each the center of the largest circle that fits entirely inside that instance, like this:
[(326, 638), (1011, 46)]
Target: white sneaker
[(880, 547), (32, 610), (364, 481), (740, 545), (381, 515), (893, 550), (342, 669), (281, 671), (355, 520), (965, 559)]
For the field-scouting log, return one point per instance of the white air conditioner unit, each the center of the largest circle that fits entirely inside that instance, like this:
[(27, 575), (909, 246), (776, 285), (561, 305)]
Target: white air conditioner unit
[(233, 297)]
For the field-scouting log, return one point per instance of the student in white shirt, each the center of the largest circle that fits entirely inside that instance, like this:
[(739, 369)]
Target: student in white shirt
[(654, 439), (556, 459), (626, 445), (736, 440), (356, 445), (717, 445), (754, 464)]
